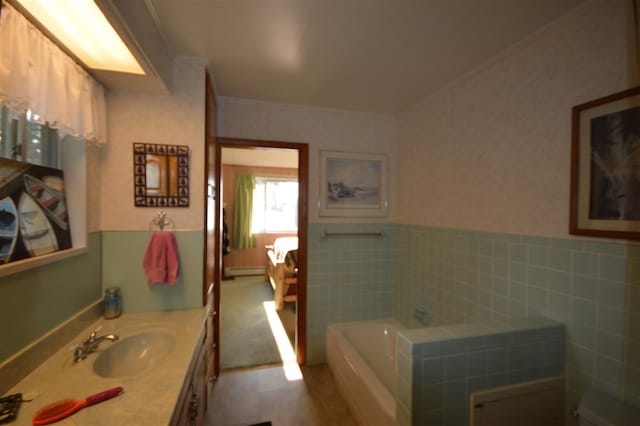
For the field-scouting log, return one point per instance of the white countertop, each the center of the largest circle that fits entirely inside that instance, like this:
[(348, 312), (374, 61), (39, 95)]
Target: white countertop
[(148, 398)]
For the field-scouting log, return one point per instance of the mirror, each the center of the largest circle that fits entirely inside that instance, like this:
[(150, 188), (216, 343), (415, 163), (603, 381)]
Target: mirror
[(161, 175)]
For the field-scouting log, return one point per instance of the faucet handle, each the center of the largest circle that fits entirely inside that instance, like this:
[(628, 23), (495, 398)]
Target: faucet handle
[(90, 339), (79, 353), (92, 336)]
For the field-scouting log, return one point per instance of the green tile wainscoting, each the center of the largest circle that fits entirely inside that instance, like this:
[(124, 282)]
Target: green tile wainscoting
[(122, 254), (350, 278), (37, 300), (438, 368), (591, 286)]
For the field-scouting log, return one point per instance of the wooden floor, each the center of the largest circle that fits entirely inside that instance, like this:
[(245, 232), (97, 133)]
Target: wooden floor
[(252, 396)]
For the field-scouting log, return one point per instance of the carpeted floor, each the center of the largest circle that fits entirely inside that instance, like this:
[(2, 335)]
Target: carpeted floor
[(245, 335)]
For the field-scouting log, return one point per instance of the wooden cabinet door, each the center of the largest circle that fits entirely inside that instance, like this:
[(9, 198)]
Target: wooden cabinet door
[(181, 414), (209, 348), (198, 397), (192, 402)]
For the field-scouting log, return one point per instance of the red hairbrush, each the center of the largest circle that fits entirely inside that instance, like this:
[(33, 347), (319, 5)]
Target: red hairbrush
[(60, 409)]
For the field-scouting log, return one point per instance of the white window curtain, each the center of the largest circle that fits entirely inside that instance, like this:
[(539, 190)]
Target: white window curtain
[(37, 74)]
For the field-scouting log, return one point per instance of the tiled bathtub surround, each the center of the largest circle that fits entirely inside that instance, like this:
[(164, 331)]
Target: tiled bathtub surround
[(439, 367), (349, 279), (593, 287)]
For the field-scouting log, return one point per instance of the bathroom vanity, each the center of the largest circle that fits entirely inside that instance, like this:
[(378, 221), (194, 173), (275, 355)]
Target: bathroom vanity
[(191, 407), (161, 359)]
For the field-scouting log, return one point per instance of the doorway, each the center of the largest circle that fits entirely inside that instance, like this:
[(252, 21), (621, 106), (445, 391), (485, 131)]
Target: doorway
[(262, 296)]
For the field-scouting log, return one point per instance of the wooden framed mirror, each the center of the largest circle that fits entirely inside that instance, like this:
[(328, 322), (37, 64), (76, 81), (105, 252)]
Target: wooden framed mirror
[(160, 175)]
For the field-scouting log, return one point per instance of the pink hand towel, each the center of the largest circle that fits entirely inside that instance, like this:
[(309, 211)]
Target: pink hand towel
[(161, 261)]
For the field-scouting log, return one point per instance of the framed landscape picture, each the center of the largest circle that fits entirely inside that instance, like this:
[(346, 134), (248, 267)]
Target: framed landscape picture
[(353, 184), (605, 167)]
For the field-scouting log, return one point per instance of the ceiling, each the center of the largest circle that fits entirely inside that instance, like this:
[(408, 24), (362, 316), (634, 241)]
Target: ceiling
[(364, 55)]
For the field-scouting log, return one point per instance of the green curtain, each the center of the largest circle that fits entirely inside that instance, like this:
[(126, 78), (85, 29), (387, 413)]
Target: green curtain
[(242, 235)]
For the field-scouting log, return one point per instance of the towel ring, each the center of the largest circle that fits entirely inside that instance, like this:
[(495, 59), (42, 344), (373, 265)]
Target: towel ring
[(161, 221)]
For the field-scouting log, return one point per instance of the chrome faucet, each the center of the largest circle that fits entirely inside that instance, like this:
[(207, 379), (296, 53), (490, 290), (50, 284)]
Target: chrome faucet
[(90, 344)]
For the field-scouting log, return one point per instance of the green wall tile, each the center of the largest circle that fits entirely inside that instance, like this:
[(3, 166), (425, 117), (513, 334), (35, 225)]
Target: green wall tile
[(613, 268), (585, 264), (518, 252), (560, 259), (618, 248), (584, 283), (609, 370), (37, 300), (122, 267), (559, 281), (353, 276), (585, 287)]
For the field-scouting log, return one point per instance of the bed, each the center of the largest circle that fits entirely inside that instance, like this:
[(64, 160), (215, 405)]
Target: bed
[(282, 270)]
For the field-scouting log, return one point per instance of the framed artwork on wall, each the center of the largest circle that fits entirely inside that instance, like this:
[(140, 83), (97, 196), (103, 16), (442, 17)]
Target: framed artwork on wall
[(605, 167), (353, 184), (34, 219)]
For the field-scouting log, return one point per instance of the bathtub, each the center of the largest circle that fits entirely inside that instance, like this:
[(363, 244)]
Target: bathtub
[(362, 358)]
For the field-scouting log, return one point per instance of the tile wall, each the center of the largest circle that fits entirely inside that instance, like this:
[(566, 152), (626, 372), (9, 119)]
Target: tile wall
[(593, 287), (439, 367), (35, 301), (350, 278), (122, 254)]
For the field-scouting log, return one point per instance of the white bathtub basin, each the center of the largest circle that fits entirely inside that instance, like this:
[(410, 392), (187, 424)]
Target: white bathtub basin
[(362, 359), (135, 354)]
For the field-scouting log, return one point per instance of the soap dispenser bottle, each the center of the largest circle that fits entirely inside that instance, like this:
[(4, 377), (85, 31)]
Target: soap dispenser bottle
[(112, 303)]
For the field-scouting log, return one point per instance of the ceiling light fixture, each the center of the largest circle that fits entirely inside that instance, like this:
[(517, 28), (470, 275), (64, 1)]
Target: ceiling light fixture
[(82, 27)]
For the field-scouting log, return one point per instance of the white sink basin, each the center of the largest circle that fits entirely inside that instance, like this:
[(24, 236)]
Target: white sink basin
[(135, 354)]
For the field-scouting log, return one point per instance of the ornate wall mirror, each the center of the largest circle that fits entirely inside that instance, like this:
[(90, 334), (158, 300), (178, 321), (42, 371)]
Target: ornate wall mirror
[(161, 175)]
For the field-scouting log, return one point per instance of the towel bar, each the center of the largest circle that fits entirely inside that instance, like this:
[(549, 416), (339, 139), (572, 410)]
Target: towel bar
[(326, 234)]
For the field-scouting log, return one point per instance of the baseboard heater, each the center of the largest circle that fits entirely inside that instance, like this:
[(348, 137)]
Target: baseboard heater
[(242, 272)]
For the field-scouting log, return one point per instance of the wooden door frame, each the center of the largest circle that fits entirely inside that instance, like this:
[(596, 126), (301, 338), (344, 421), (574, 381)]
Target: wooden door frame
[(303, 224), (212, 231)]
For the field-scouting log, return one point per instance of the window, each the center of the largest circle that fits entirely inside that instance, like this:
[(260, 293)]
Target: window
[(275, 205), (24, 139)]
